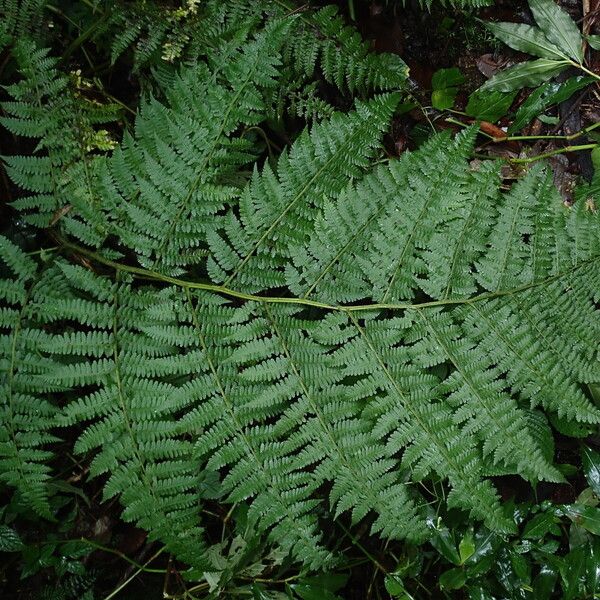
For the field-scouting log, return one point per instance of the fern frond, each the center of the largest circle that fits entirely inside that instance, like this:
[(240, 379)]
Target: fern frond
[(44, 107), (132, 426), (541, 363), (168, 182), (26, 415), (20, 18), (324, 41), (234, 417), (365, 243), (476, 392), (318, 41), (400, 399), (277, 207), (455, 3)]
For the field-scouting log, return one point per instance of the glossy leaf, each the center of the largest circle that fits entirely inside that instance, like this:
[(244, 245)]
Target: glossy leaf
[(593, 41), (482, 560), (558, 27), (480, 594), (587, 517), (466, 548), (591, 467), (443, 541), (489, 105), (453, 579), (549, 94), (540, 525), (445, 78), (526, 38), (573, 571), (544, 583), (592, 579), (527, 74)]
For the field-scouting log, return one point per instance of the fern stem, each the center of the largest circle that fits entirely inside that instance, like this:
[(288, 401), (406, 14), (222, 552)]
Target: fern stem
[(118, 553), (537, 157), (135, 574), (526, 138), (356, 543), (225, 291)]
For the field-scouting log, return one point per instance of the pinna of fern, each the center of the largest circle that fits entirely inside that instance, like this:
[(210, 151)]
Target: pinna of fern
[(319, 41), (44, 107)]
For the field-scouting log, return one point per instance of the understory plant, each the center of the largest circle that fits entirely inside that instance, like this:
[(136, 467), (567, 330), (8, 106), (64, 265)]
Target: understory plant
[(265, 351)]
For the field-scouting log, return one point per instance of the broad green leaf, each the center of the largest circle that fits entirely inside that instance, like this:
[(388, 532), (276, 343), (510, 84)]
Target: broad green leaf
[(540, 525), (512, 571), (520, 566), (572, 571), (453, 579), (328, 581), (527, 74), (444, 98), (395, 587), (482, 560), (548, 120), (593, 41), (445, 78), (545, 582), (466, 548), (592, 579), (526, 38), (489, 105), (312, 592), (443, 84), (558, 27), (578, 536), (591, 468), (443, 541), (320, 587), (547, 95), (587, 517)]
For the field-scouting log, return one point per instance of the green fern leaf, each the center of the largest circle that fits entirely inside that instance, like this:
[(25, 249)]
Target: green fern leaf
[(277, 208), (26, 415)]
